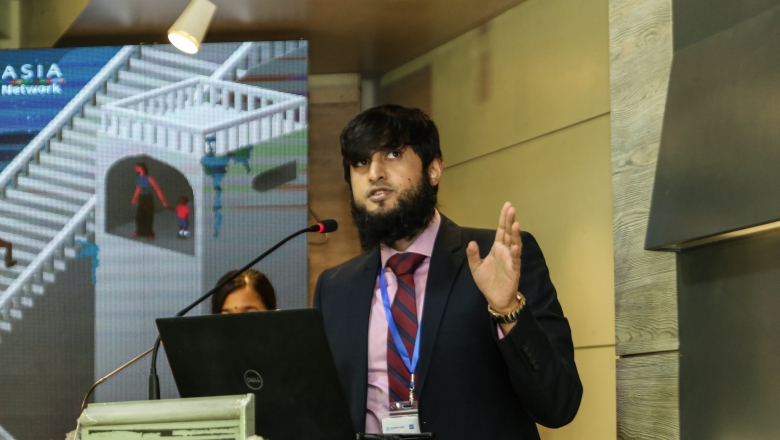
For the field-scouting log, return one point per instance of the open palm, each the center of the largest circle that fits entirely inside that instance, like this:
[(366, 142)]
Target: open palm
[(498, 274)]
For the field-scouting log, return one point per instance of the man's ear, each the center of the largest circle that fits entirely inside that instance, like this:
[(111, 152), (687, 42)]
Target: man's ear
[(434, 171)]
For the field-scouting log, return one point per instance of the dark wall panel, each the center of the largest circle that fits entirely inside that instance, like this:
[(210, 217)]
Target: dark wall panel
[(729, 299), (695, 20), (719, 155)]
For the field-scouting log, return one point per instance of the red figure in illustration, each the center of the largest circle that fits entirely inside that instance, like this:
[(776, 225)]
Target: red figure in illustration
[(183, 214), (144, 214)]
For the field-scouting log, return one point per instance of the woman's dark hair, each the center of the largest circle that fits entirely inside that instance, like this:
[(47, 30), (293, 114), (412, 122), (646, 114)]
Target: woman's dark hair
[(389, 127), (143, 167), (252, 278)]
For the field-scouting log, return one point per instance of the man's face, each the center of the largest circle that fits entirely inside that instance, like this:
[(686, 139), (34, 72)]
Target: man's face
[(393, 198), (381, 179)]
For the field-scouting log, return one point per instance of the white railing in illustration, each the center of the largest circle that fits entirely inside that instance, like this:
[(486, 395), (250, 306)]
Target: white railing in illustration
[(250, 54), (44, 262), (247, 115), (87, 96)]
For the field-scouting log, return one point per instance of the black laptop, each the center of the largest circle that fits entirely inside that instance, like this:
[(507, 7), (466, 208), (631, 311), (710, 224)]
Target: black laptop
[(282, 357)]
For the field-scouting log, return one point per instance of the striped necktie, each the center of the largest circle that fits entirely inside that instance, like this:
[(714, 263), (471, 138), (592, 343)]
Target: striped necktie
[(404, 310)]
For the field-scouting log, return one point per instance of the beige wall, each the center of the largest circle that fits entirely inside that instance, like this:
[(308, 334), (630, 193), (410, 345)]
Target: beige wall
[(10, 24), (44, 21), (36, 23), (522, 104)]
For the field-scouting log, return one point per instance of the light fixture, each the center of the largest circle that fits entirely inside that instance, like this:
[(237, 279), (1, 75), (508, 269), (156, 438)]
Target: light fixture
[(189, 29)]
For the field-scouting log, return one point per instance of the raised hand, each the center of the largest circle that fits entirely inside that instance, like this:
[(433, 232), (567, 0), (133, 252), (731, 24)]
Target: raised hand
[(498, 274)]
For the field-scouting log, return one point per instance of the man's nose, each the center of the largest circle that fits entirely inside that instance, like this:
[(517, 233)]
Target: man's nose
[(377, 170)]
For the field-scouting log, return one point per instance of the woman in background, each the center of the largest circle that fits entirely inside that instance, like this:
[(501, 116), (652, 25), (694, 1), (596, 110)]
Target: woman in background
[(249, 292)]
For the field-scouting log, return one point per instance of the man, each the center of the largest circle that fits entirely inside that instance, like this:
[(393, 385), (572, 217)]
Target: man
[(495, 351)]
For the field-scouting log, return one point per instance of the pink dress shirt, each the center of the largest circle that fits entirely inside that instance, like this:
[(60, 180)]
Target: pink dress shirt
[(377, 324)]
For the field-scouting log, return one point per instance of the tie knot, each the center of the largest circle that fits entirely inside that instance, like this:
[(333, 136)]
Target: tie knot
[(405, 263)]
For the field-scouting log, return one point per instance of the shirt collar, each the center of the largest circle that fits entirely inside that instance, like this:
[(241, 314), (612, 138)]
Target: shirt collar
[(423, 244)]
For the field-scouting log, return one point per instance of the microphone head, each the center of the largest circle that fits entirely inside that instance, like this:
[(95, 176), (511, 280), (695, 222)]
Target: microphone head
[(324, 226)]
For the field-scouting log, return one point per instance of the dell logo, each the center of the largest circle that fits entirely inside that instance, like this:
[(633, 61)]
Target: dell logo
[(253, 379)]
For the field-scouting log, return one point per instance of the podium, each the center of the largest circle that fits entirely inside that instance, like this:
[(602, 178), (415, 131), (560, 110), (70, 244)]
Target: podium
[(224, 417)]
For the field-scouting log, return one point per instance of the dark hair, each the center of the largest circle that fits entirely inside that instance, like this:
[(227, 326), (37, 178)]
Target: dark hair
[(143, 167), (252, 278), (184, 199), (389, 127)]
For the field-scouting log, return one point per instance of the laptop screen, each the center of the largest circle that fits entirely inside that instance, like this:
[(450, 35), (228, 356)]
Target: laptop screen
[(282, 357)]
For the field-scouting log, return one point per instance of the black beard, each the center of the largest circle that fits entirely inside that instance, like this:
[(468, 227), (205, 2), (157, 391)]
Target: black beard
[(413, 213)]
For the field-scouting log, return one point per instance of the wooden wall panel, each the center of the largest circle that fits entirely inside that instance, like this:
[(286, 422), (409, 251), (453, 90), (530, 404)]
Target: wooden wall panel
[(328, 192), (651, 380), (646, 324), (334, 88), (645, 293)]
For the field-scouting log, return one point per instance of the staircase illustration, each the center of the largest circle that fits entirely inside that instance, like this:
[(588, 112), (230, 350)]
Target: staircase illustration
[(151, 96)]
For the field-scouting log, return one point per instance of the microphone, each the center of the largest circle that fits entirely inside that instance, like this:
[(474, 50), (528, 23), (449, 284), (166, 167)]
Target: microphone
[(322, 227)]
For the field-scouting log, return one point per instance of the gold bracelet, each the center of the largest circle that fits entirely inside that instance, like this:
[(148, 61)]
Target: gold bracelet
[(508, 318)]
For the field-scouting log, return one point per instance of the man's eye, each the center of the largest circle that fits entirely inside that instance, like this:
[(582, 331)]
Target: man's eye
[(394, 154), (361, 163)]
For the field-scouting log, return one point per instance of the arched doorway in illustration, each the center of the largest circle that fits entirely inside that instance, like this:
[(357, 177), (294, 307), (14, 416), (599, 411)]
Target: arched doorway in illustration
[(121, 214)]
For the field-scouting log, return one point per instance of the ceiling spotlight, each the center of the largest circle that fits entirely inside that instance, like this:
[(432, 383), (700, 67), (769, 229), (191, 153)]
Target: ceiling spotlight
[(188, 31)]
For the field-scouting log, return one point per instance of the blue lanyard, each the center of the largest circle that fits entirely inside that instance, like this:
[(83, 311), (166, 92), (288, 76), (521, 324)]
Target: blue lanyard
[(411, 365)]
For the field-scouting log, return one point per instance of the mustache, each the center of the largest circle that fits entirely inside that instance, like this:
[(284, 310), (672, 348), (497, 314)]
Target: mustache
[(377, 186)]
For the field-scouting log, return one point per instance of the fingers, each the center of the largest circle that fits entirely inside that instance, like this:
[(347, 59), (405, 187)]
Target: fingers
[(501, 230), (517, 246), (516, 240), (505, 224), (472, 253), (508, 231), (514, 262), (509, 221)]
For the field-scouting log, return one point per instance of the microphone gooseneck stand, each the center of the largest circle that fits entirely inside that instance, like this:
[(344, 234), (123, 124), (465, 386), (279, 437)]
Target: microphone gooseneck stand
[(154, 382), (110, 375)]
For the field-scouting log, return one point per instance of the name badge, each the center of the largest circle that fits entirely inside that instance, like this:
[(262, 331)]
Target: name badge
[(401, 418), (401, 425)]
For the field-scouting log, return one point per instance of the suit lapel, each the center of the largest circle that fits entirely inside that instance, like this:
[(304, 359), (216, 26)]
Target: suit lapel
[(361, 290), (445, 263)]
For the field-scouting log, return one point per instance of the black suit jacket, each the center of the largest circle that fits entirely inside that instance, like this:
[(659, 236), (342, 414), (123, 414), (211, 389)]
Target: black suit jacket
[(471, 384)]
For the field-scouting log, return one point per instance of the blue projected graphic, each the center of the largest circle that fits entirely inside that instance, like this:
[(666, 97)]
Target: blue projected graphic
[(36, 84)]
